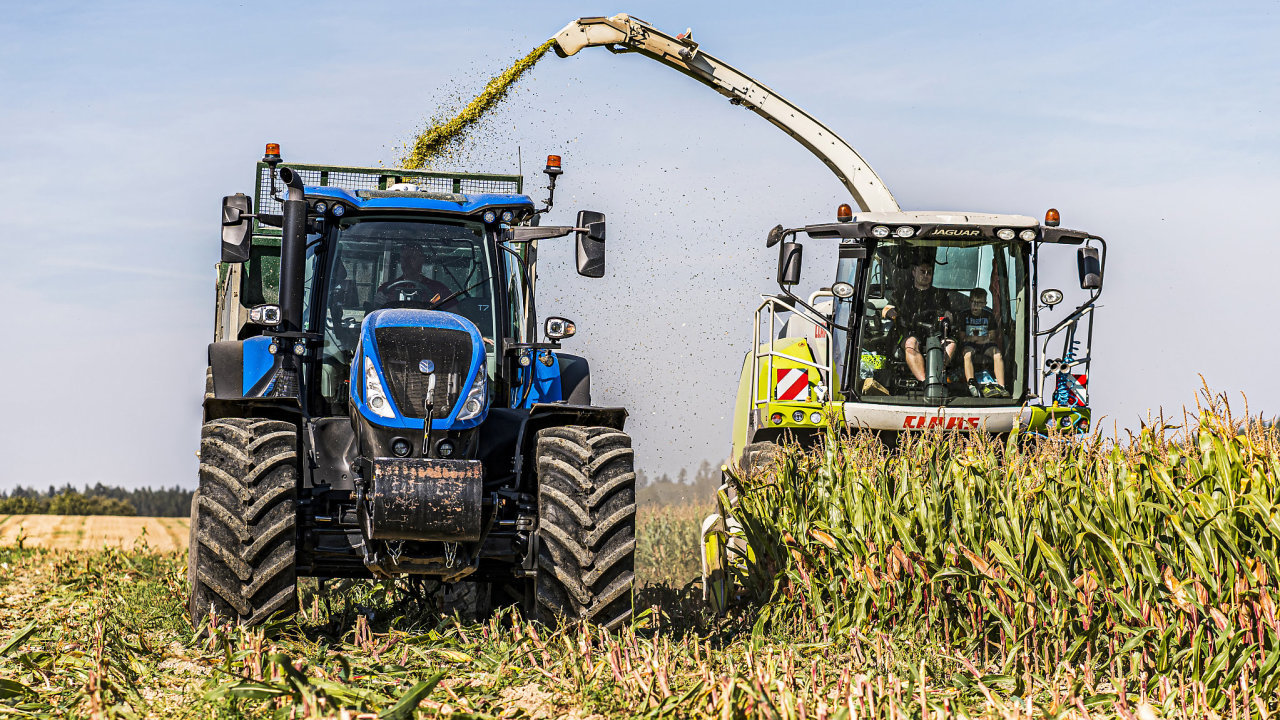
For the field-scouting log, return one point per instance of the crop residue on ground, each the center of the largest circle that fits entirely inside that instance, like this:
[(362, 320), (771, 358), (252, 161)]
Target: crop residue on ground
[(445, 134)]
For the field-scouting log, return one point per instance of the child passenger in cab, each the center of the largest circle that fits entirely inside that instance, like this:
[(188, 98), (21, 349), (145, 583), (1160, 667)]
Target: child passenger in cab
[(981, 340)]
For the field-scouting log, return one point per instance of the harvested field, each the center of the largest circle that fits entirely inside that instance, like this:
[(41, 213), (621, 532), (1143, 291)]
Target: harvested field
[(93, 532)]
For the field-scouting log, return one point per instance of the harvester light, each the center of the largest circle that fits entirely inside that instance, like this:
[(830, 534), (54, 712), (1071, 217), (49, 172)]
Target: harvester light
[(322, 206), (553, 165), (273, 348), (844, 213), (815, 417), (525, 359), (1027, 235), (338, 210), (490, 216), (1005, 233), (400, 447), (904, 231), (507, 216), (1051, 297), (776, 418), (477, 397), (299, 348), (373, 392), (272, 154), (1052, 218), (444, 448), (842, 290), (880, 231), (798, 416)]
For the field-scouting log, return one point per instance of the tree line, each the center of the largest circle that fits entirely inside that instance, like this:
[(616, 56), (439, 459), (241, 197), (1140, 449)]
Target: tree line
[(97, 500), (685, 488), (682, 489)]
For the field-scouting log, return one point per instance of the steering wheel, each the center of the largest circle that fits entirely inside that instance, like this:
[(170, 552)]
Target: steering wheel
[(404, 286)]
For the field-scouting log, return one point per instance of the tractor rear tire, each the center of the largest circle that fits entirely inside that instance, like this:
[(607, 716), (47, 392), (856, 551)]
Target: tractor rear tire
[(586, 525), (244, 522)]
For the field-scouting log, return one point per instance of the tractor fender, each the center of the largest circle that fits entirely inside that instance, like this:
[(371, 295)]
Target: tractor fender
[(238, 373), (575, 379), (545, 415)]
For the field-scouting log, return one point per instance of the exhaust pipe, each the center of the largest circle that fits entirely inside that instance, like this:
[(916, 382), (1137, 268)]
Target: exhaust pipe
[(293, 242)]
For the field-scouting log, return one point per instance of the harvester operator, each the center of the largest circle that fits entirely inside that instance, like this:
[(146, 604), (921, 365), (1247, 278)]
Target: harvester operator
[(915, 308)]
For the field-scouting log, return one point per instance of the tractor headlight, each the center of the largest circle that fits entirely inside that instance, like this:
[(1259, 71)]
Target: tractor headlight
[(1005, 233), (477, 397), (1027, 235), (374, 396), (880, 231)]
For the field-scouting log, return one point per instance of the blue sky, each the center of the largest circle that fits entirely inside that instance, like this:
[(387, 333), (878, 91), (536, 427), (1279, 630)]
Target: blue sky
[(1156, 125)]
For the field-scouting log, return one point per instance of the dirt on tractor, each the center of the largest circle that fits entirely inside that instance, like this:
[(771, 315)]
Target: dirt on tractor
[(444, 134), (93, 532)]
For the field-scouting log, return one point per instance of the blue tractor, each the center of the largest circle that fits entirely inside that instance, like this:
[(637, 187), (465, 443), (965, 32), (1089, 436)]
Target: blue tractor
[(378, 402)]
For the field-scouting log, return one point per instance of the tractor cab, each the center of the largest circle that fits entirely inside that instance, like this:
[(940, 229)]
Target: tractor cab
[(933, 320)]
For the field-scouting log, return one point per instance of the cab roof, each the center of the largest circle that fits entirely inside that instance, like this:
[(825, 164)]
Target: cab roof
[(420, 200), (945, 217)]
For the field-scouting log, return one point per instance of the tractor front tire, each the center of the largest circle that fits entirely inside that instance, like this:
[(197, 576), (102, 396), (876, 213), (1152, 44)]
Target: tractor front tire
[(244, 522), (586, 525)]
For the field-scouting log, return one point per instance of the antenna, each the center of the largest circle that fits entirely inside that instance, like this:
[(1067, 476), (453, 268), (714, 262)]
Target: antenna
[(519, 163)]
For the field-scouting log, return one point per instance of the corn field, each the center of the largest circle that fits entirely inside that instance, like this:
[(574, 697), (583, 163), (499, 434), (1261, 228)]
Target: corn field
[(1098, 573), (951, 577)]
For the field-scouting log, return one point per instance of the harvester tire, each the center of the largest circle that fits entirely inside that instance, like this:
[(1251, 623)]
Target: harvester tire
[(244, 522), (586, 525)]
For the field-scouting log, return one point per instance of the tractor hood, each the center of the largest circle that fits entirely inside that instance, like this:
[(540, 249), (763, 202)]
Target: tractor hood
[(400, 351)]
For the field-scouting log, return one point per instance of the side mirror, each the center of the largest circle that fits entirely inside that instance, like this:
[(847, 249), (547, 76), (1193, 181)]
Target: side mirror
[(774, 236), (790, 255), (558, 328), (236, 224), (1090, 266), (590, 244)]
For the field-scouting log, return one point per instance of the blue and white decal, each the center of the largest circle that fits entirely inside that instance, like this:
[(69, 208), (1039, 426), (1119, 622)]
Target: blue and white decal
[(257, 362)]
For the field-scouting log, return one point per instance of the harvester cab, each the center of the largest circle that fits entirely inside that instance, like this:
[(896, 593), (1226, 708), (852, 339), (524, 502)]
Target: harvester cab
[(380, 402), (933, 321)]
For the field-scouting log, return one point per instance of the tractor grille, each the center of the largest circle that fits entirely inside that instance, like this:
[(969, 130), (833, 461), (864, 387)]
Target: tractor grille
[(402, 348)]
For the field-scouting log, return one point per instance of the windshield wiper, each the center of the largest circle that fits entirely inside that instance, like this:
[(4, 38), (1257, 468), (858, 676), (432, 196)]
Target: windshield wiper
[(455, 294)]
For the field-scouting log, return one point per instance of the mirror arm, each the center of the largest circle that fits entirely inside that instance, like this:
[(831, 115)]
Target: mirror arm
[(528, 234), (828, 321), (1078, 312)]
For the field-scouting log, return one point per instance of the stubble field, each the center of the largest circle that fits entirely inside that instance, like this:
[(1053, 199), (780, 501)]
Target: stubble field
[(93, 532)]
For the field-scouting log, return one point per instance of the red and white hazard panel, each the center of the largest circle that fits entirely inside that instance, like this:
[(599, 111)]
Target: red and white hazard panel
[(793, 384)]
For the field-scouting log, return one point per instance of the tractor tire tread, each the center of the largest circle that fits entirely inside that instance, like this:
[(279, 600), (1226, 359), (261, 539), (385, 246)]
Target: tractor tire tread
[(244, 522), (586, 525)]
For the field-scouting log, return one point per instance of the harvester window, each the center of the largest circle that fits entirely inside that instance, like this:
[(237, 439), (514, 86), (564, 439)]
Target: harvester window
[(925, 296)]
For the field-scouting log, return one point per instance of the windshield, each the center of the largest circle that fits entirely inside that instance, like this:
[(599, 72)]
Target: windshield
[(381, 263), (942, 324)]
